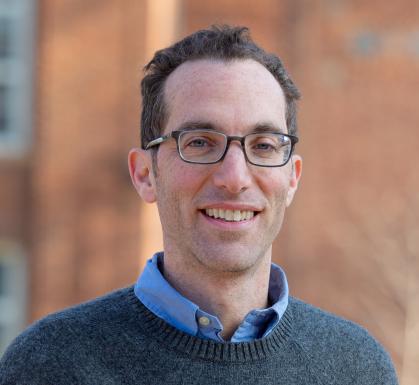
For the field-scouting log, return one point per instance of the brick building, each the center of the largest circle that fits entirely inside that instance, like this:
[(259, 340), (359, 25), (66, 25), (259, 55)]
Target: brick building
[(71, 223)]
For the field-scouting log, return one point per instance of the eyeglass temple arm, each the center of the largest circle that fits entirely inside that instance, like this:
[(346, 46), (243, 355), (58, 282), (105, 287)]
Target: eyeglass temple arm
[(157, 141)]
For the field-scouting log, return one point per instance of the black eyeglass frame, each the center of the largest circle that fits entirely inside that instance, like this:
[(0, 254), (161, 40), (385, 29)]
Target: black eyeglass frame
[(176, 134)]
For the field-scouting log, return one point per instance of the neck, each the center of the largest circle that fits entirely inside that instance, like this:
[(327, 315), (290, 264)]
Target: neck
[(228, 295)]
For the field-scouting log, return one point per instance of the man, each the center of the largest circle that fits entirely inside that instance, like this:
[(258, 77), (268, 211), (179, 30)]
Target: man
[(218, 134)]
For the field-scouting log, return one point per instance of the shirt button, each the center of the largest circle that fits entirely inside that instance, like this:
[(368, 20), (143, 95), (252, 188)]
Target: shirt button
[(204, 321)]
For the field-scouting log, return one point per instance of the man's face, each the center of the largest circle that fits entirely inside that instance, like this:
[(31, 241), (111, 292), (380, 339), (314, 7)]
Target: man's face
[(235, 98)]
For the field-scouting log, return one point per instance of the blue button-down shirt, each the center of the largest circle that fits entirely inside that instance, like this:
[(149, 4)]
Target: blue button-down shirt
[(166, 302)]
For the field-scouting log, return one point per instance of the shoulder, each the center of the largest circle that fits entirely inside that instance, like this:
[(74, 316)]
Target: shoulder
[(326, 330), (343, 344), (64, 337)]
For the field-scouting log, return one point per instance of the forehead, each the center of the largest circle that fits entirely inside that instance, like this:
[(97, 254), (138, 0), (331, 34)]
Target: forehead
[(232, 96)]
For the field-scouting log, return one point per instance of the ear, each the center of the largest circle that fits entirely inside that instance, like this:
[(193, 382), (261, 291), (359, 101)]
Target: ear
[(140, 169), (297, 166)]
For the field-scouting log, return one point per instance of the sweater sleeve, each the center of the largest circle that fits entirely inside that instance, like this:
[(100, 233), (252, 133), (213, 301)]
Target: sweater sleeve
[(341, 351), (371, 362), (33, 359)]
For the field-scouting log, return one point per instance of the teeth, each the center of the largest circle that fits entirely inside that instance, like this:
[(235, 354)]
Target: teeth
[(230, 215)]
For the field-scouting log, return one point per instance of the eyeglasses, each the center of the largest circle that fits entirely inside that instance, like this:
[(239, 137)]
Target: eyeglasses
[(265, 149)]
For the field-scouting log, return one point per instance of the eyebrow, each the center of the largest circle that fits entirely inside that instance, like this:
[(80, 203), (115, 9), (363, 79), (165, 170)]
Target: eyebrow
[(268, 127), (196, 125), (205, 125)]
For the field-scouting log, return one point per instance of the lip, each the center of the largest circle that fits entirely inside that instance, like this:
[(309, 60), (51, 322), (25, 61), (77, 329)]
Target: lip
[(230, 225), (231, 206)]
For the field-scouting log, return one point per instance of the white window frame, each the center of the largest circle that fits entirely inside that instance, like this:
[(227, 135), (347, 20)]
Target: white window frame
[(16, 73), (13, 301)]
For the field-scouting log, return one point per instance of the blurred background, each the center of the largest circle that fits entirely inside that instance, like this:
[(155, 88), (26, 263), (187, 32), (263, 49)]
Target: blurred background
[(71, 224)]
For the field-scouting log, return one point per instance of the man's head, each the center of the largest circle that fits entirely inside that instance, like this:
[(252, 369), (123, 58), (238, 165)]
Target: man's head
[(222, 43), (220, 216)]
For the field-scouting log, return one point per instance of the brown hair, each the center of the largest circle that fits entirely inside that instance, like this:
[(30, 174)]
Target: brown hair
[(218, 42)]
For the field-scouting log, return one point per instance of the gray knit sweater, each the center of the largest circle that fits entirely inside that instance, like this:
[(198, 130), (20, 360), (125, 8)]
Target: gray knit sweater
[(117, 340)]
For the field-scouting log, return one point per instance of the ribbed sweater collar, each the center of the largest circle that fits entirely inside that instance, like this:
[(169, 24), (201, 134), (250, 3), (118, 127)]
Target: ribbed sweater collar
[(208, 349)]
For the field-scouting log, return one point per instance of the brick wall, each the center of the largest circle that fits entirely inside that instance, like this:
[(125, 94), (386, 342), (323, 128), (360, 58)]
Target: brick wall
[(85, 213)]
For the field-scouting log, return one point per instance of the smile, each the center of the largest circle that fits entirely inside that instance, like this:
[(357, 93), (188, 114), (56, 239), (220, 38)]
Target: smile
[(230, 215)]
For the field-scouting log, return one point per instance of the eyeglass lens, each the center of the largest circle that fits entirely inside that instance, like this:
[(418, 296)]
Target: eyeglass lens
[(266, 149)]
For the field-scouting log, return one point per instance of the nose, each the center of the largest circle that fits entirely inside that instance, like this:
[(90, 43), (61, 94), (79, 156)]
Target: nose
[(232, 173)]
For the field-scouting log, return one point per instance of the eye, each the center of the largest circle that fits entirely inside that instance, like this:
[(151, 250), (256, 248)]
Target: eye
[(264, 144), (198, 142)]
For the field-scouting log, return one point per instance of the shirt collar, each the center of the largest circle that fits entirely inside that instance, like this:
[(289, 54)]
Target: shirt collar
[(166, 302)]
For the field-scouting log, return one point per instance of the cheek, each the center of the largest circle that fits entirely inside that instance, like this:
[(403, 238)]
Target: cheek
[(274, 184), (186, 178), (181, 182)]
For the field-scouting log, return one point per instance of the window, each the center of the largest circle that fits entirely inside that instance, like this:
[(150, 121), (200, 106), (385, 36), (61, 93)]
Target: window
[(12, 294), (3, 108), (16, 43), (4, 37)]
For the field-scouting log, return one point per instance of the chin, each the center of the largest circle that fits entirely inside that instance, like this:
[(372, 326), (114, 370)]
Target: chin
[(225, 261)]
